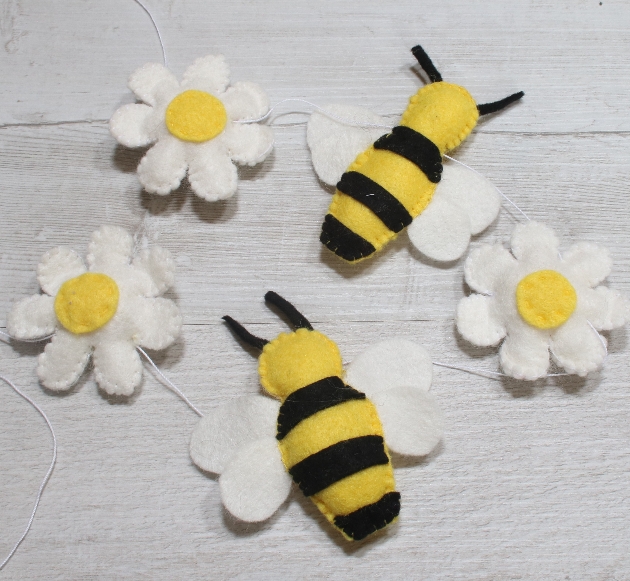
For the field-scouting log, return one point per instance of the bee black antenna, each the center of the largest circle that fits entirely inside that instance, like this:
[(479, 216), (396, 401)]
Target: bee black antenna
[(298, 320), (244, 334), (498, 105), (426, 64)]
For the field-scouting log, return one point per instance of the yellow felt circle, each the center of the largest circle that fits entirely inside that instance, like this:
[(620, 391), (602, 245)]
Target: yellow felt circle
[(195, 116), (85, 303), (545, 299)]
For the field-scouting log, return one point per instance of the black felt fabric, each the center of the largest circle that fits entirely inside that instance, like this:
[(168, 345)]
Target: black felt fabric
[(366, 191), (369, 519), (426, 63), (338, 461), (313, 398), (415, 147), (298, 320), (244, 334), (344, 242), (486, 108)]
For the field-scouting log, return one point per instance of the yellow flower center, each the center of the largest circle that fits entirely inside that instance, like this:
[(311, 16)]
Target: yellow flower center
[(85, 303), (195, 116), (545, 299)]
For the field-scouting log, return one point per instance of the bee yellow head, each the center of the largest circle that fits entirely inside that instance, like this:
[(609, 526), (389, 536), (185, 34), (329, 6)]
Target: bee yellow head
[(292, 360)]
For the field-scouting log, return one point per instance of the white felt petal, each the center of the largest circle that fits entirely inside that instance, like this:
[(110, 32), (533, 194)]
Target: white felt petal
[(159, 265), (477, 320), (525, 354), (56, 267), (577, 347), (486, 266), (255, 482), (389, 364), (150, 81), (117, 367), (211, 174), (109, 245), (229, 427), (412, 422), (532, 240), (163, 167), (442, 231), (130, 125), (245, 100), (32, 318), (209, 73), (604, 308), (473, 193), (248, 144), (334, 145), (63, 360), (590, 263), (158, 322)]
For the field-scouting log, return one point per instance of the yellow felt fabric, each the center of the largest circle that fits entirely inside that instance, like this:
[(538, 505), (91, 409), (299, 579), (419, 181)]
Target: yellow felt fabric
[(293, 360), (87, 302), (356, 491), (545, 299), (195, 116), (351, 419), (443, 112)]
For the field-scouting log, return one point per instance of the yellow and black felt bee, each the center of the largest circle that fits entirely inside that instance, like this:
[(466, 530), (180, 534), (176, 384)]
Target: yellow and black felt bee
[(331, 437), (392, 183)]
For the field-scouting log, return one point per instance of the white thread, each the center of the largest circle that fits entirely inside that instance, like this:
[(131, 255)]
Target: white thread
[(48, 474), (601, 339), (484, 373), (169, 383), (26, 340), (139, 3), (320, 109)]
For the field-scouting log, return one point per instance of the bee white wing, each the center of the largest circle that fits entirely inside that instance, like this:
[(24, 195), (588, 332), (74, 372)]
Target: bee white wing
[(237, 440), (334, 145), (464, 203), (396, 376)]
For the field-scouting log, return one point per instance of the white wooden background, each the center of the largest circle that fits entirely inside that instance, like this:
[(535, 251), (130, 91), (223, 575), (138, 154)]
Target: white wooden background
[(532, 481)]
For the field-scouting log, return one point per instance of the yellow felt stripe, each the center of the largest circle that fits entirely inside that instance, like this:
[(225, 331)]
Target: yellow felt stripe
[(356, 491), (350, 419)]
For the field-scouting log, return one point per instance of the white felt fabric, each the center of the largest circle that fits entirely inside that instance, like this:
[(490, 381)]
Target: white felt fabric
[(221, 433), (255, 482), (576, 345), (334, 145), (442, 231), (390, 364), (142, 317), (473, 193), (412, 422), (211, 173)]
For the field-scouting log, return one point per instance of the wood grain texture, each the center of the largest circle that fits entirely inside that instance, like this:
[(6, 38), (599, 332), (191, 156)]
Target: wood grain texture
[(531, 480)]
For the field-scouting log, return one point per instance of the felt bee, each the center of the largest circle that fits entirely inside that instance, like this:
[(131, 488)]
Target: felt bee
[(331, 439), (391, 184)]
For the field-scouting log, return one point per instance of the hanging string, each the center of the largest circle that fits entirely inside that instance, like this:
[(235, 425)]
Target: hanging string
[(46, 477), (7, 338), (139, 3), (486, 373)]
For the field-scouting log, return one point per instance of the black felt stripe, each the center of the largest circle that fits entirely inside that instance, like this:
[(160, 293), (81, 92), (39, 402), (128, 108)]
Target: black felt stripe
[(366, 191), (415, 147), (338, 461), (344, 242), (369, 519), (313, 398)]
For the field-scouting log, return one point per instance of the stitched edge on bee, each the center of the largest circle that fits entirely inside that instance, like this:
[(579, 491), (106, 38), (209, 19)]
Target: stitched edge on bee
[(374, 196), (313, 398), (324, 468), (416, 148), (369, 519), (346, 244)]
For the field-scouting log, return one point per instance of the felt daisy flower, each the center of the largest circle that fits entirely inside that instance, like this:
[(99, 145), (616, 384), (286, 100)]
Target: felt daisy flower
[(538, 301), (105, 310), (195, 127)]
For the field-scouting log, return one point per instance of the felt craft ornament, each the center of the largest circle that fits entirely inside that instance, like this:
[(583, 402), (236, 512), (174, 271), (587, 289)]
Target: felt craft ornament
[(105, 310), (538, 301), (397, 180), (198, 125), (331, 437)]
